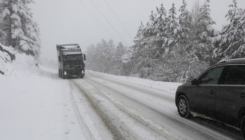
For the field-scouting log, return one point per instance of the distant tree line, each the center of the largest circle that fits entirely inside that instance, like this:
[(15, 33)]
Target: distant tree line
[(175, 48), (17, 27), (106, 57)]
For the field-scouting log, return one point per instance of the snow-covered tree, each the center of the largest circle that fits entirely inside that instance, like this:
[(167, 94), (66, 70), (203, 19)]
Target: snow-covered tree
[(160, 29), (171, 48), (120, 50), (231, 40), (20, 30), (185, 24), (200, 45), (100, 57), (140, 34), (172, 29), (205, 23)]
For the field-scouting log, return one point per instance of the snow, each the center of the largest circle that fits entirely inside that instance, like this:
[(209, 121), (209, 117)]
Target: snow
[(17, 32), (24, 45), (171, 25), (125, 58), (16, 17), (139, 108), (14, 8), (170, 42), (5, 58), (9, 49), (175, 31), (35, 104), (210, 28), (169, 87), (72, 53), (216, 39), (6, 12)]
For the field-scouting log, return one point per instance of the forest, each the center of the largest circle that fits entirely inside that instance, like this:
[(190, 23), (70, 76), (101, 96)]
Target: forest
[(175, 45)]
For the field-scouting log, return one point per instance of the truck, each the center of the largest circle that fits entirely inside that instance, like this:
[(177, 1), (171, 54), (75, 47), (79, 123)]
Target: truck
[(71, 61)]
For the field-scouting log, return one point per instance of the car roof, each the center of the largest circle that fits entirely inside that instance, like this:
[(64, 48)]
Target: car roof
[(232, 61)]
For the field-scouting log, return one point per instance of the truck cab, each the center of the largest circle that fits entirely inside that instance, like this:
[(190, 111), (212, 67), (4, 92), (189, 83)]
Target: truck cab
[(71, 61)]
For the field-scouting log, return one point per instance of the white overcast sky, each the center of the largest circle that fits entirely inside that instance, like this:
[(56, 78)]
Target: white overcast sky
[(67, 21)]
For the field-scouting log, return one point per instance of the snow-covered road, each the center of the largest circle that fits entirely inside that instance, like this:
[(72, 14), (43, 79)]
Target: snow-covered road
[(110, 107), (35, 104)]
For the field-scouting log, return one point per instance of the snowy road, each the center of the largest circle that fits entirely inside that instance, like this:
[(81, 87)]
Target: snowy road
[(98, 107), (109, 108)]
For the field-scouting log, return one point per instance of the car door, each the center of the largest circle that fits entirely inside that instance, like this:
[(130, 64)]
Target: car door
[(230, 96), (202, 99)]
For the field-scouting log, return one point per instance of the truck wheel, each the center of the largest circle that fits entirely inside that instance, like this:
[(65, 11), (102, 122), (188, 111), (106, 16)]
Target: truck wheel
[(62, 75), (243, 127), (81, 75)]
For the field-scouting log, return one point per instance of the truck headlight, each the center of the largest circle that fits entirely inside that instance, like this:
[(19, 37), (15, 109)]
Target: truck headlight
[(82, 72), (65, 73)]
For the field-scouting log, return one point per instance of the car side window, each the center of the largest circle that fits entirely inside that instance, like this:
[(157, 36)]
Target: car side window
[(234, 75), (212, 76)]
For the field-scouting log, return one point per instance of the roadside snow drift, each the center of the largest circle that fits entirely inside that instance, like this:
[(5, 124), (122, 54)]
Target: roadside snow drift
[(35, 104)]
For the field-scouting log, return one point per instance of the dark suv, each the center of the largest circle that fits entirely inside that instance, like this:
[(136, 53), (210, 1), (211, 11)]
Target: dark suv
[(219, 93)]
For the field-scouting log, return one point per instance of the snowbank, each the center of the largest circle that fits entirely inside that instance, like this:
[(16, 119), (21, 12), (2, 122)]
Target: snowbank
[(12, 61), (35, 103)]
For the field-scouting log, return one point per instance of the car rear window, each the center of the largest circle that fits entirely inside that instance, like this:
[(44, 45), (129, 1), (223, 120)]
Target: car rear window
[(234, 75)]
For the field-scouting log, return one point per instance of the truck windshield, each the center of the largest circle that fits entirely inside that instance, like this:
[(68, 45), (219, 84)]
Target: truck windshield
[(72, 57)]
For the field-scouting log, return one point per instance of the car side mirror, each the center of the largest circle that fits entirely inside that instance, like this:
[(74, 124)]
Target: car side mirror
[(84, 56), (194, 82)]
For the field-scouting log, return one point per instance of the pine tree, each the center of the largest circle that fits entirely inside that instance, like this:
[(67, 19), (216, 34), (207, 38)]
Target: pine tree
[(205, 23), (185, 24), (119, 66), (172, 30), (232, 43), (145, 48), (160, 29), (140, 34), (120, 50), (200, 47), (20, 30)]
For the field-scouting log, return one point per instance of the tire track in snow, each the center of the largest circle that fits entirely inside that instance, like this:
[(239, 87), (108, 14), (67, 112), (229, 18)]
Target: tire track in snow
[(123, 125), (114, 130), (150, 91), (126, 83), (132, 86), (133, 115), (87, 133), (203, 132)]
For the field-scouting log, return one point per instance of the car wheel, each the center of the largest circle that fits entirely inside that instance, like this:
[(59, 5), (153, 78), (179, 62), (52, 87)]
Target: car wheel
[(183, 107), (243, 127)]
